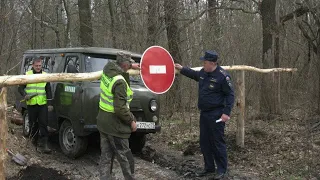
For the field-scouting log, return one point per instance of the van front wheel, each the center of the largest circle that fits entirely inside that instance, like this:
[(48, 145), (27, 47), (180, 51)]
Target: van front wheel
[(71, 145)]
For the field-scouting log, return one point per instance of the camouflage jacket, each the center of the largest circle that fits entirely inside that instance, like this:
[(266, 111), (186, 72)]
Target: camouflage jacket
[(119, 123)]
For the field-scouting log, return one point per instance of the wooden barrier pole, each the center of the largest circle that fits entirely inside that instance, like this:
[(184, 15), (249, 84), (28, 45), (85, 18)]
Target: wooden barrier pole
[(65, 77), (3, 131), (241, 105)]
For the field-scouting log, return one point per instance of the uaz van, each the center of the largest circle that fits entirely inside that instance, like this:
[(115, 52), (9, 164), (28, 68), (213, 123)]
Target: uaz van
[(76, 104)]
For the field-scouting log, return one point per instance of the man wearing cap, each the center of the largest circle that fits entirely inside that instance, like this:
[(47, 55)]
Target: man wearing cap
[(215, 101), (115, 122), (38, 98)]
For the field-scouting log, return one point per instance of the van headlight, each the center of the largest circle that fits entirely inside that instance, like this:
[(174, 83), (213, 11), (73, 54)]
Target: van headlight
[(153, 105)]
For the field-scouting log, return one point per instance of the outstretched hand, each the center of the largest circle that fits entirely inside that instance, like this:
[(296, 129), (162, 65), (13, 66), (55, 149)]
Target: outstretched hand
[(178, 66), (135, 66)]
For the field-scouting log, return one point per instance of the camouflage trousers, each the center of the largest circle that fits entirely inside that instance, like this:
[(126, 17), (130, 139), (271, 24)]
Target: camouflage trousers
[(112, 147)]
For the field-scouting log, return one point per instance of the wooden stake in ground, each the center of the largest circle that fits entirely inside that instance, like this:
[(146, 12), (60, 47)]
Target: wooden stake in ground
[(3, 131), (241, 105)]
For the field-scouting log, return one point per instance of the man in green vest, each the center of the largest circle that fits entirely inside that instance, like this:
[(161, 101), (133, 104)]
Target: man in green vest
[(115, 122), (38, 99)]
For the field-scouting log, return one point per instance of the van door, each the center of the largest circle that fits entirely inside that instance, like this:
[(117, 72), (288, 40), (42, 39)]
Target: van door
[(68, 99)]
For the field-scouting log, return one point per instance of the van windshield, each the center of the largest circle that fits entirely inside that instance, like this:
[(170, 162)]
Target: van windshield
[(93, 64)]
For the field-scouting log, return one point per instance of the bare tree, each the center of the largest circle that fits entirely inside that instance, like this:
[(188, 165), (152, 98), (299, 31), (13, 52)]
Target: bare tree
[(66, 22), (2, 23), (267, 95), (311, 31), (173, 35), (213, 22), (86, 34), (113, 18), (152, 22)]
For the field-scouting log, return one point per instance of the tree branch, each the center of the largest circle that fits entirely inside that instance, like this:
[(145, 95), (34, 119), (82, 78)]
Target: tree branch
[(313, 12), (297, 13), (307, 36), (239, 9), (54, 28), (310, 29), (221, 7), (258, 3)]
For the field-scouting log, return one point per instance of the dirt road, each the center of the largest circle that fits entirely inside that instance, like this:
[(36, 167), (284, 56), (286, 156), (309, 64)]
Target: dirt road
[(85, 167), (278, 149)]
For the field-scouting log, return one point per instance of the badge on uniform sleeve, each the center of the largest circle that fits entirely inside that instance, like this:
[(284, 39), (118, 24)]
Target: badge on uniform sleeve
[(213, 80), (228, 81)]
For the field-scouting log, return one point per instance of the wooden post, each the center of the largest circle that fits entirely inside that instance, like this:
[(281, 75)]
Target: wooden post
[(241, 105), (3, 130)]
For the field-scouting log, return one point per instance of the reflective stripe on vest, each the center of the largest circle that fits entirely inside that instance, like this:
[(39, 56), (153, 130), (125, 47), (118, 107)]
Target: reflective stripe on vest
[(106, 96), (36, 88)]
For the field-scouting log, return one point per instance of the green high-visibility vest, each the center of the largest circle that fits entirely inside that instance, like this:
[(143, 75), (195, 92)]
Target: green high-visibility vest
[(36, 88), (106, 96)]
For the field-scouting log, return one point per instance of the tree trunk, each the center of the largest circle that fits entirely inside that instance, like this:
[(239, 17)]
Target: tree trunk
[(113, 23), (2, 23), (42, 28), (213, 30), (173, 36), (58, 43), (152, 22), (267, 96), (33, 26), (318, 63), (2, 29), (13, 39), (66, 22), (128, 27), (213, 17), (277, 75), (86, 34)]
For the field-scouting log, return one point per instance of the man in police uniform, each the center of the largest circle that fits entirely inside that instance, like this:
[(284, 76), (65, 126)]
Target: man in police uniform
[(38, 99), (115, 122), (215, 101)]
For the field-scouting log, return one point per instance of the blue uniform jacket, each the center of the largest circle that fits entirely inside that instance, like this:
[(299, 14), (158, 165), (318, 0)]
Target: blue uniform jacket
[(215, 89)]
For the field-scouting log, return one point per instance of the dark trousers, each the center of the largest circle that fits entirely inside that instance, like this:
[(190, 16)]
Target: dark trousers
[(38, 119), (212, 142), (111, 147)]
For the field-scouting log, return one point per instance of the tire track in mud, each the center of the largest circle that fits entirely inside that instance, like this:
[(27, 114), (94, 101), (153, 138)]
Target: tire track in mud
[(186, 166)]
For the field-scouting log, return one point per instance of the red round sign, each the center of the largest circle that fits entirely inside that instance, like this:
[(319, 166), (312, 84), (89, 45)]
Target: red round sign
[(157, 69)]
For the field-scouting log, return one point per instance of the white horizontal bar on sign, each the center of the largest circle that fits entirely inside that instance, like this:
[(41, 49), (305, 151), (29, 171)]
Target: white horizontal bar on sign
[(157, 69)]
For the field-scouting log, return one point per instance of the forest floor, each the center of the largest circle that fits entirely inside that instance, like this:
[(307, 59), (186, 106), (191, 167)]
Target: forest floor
[(275, 148)]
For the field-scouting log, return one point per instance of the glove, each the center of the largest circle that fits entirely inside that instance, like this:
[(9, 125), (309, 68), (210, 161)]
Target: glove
[(27, 97), (50, 108)]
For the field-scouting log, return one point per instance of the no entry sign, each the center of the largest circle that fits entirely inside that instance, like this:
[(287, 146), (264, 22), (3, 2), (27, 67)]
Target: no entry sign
[(157, 69)]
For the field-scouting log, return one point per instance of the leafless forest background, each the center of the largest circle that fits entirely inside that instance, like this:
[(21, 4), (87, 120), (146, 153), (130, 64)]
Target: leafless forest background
[(260, 33)]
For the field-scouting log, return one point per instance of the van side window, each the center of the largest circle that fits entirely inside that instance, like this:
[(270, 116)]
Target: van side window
[(58, 64), (46, 63), (72, 64), (27, 64)]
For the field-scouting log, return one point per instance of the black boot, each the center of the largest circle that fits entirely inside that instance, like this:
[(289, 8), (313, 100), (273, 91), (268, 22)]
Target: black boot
[(204, 173), (43, 146)]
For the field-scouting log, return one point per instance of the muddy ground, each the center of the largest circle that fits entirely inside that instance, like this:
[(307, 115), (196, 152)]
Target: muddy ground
[(284, 147)]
